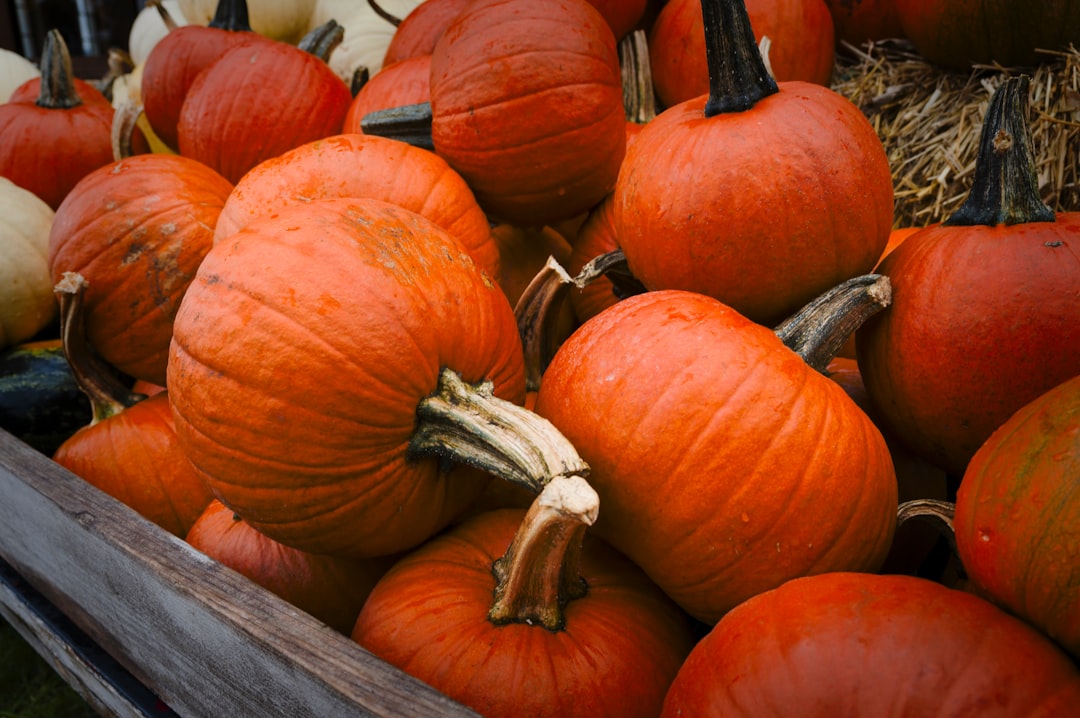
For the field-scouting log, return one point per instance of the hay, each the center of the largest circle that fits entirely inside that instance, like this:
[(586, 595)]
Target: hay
[(929, 121)]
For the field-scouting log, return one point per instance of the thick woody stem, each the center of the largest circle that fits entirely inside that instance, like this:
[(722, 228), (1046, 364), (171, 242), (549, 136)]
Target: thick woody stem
[(108, 395), (468, 424), (818, 330), (540, 574)]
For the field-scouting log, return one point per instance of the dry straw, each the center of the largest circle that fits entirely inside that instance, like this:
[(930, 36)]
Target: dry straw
[(929, 121)]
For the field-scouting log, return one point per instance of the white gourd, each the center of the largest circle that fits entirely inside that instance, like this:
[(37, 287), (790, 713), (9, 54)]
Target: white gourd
[(14, 71), (285, 20), (27, 304), (367, 35)]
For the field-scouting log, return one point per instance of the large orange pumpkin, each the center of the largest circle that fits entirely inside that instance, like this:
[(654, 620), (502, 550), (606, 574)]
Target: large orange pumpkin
[(137, 230), (760, 195), (301, 353), (986, 311), (521, 614), (1018, 512), (353, 165), (725, 464), (526, 103), (844, 644)]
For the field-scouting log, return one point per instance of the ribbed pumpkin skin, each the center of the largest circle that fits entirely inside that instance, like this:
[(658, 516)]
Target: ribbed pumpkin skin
[(1017, 520), (725, 465), (330, 588), (526, 101), (134, 457), (353, 165), (620, 649), (421, 29), (982, 321), (763, 209), (256, 102), (957, 33), (172, 66), (848, 644), (137, 230), (801, 31), (300, 354)]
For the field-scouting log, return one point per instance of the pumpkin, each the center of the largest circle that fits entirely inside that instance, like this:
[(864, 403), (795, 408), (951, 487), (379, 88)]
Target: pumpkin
[(128, 449), (179, 57), (1010, 32), (27, 304), (364, 166), (516, 613), (622, 15), (725, 463), (330, 588), (859, 21), (53, 142), (526, 104), (258, 101), (1017, 512), (407, 82), (137, 230), (739, 194), (369, 27), (866, 645), (985, 314), (14, 71), (802, 45), (355, 346), (418, 31), (284, 20)]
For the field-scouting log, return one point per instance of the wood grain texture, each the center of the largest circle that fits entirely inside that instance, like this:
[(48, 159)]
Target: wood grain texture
[(204, 639)]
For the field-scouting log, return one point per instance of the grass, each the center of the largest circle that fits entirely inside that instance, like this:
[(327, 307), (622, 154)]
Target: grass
[(29, 687)]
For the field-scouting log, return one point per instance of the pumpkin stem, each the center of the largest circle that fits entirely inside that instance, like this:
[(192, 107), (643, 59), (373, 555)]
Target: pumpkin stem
[(321, 41), (1005, 189), (395, 21), (468, 424), (936, 512), (57, 76), (166, 16), (125, 120), (613, 265), (534, 311), (738, 77), (539, 573), (231, 15), (108, 395), (407, 123), (818, 330), (639, 96), (119, 63)]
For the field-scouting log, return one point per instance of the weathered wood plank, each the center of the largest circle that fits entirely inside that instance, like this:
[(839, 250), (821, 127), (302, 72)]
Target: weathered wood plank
[(92, 672), (204, 639)]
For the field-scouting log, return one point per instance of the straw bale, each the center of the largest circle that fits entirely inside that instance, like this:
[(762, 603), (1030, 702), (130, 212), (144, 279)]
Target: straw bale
[(929, 120)]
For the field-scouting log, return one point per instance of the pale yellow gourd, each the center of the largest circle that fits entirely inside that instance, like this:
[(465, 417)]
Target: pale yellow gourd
[(14, 71), (285, 20), (149, 28), (27, 304), (367, 34)]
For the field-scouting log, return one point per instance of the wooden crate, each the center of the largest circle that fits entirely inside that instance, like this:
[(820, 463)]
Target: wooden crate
[(202, 639)]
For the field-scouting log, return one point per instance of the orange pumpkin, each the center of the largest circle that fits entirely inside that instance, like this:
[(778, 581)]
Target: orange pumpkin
[(725, 464)]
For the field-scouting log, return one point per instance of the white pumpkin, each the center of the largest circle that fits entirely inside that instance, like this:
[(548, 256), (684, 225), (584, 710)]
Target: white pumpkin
[(285, 20), (27, 304), (367, 35), (14, 71), (148, 28)]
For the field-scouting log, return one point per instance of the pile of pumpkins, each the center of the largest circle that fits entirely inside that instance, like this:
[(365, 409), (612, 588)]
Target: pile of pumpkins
[(306, 342)]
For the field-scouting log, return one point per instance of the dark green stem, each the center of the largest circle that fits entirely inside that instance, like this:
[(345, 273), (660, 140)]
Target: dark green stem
[(57, 77), (738, 78), (232, 15), (1005, 189), (407, 123), (322, 40)]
